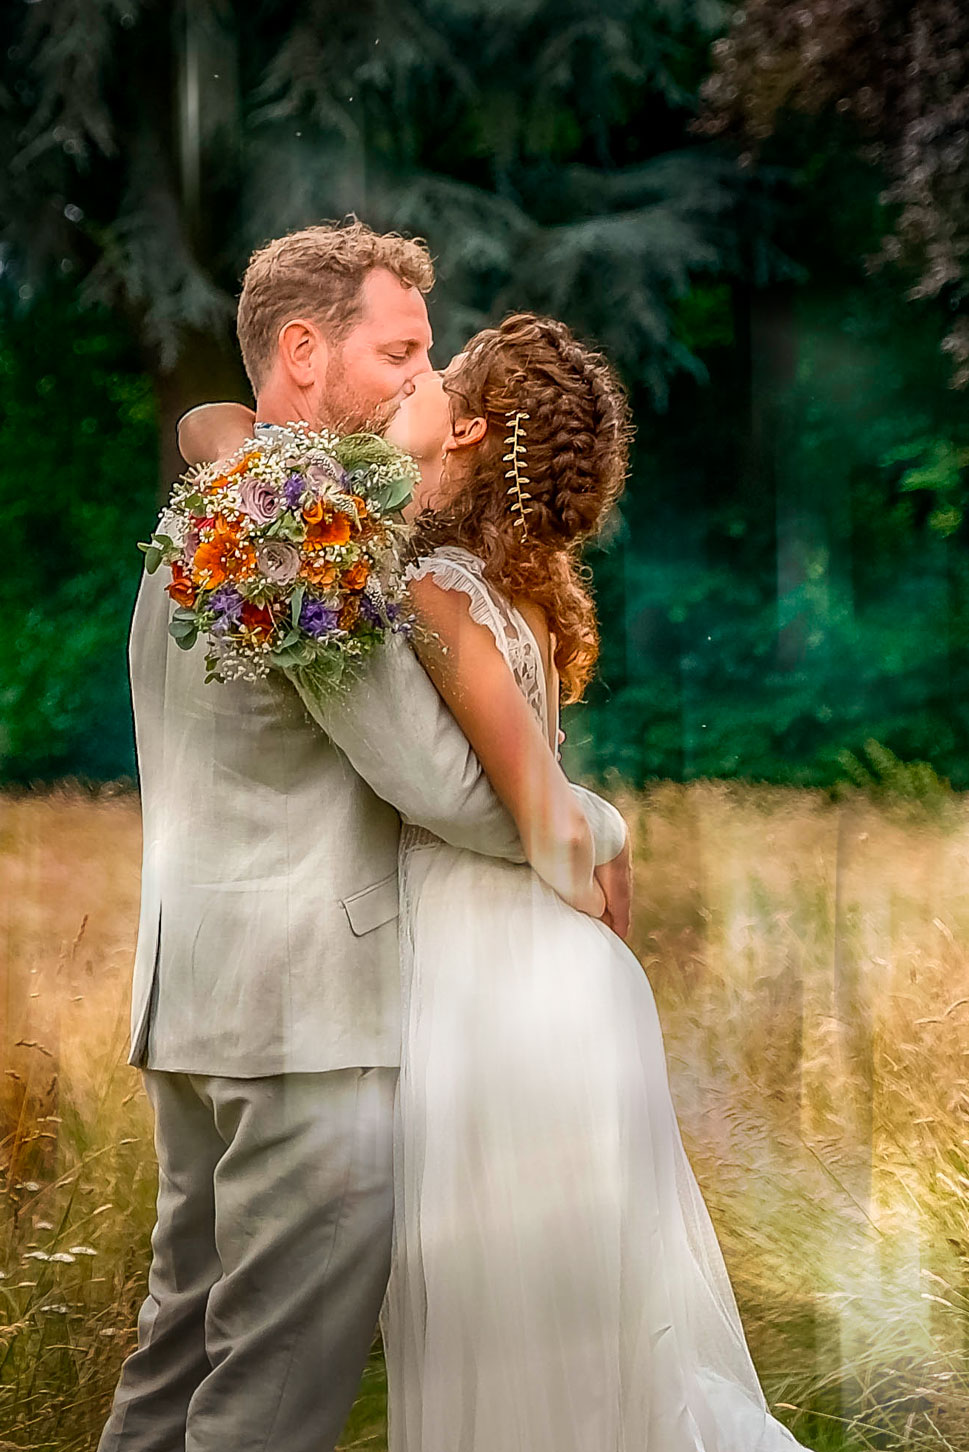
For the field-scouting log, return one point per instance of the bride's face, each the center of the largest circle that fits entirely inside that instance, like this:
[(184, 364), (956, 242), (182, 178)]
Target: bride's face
[(422, 426), (423, 421)]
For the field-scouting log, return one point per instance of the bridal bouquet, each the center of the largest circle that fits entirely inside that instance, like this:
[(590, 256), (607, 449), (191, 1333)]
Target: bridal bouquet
[(284, 557)]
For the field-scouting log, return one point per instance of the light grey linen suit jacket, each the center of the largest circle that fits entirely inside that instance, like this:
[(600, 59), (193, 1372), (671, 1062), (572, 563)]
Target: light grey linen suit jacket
[(267, 941)]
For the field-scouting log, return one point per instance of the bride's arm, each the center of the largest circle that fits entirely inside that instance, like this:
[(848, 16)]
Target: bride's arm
[(475, 681), (213, 430)]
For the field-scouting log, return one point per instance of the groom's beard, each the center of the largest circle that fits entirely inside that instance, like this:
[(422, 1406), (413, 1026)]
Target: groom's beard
[(346, 412), (355, 422)]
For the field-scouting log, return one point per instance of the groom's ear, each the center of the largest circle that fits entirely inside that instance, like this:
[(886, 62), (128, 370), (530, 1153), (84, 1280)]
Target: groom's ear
[(302, 351), (466, 432)]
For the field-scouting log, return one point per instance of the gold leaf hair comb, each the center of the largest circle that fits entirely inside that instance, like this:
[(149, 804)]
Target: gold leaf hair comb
[(515, 443)]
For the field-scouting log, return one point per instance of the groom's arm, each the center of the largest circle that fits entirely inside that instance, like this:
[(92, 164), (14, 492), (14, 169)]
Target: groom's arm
[(398, 734)]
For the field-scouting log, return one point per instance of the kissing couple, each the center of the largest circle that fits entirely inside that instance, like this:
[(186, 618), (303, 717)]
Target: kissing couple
[(402, 1063)]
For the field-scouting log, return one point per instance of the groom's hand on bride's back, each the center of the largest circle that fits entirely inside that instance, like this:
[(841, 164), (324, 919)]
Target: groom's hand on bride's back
[(616, 880)]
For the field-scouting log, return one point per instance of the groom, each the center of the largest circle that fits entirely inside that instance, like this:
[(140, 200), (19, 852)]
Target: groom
[(265, 1012)]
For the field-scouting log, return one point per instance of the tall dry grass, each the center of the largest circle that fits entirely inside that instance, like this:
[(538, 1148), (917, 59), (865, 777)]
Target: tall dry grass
[(811, 964)]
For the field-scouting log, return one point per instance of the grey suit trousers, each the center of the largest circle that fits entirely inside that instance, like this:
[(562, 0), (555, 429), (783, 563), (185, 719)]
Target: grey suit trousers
[(270, 1260)]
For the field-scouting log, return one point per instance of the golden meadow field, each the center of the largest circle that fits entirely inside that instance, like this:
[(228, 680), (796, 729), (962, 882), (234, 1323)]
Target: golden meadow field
[(811, 963)]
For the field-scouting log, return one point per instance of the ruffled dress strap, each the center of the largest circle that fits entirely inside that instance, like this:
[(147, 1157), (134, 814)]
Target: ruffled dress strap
[(454, 568)]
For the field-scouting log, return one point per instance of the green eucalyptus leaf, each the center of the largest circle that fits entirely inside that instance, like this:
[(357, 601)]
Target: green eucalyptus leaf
[(394, 494), (183, 634)]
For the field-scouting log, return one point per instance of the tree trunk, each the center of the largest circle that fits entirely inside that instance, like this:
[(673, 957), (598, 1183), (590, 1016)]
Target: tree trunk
[(209, 369), (766, 330)]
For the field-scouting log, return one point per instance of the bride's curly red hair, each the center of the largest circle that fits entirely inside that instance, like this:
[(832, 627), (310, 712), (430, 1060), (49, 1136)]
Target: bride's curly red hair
[(577, 435)]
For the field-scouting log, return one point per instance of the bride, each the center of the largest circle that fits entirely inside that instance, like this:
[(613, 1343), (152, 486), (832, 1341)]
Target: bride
[(556, 1283)]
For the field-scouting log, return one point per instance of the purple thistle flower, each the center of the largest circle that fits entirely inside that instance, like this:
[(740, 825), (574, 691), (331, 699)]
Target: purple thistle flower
[(318, 619), (293, 491)]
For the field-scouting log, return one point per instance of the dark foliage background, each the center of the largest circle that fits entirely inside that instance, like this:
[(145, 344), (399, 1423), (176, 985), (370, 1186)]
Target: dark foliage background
[(735, 214)]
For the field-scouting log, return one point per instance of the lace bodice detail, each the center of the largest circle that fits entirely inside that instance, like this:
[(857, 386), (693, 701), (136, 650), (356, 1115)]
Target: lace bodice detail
[(454, 568)]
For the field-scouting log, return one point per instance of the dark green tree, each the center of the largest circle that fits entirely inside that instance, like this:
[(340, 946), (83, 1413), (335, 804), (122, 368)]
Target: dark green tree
[(899, 71), (151, 146)]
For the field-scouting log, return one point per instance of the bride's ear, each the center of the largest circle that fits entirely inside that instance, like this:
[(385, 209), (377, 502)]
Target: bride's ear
[(466, 433)]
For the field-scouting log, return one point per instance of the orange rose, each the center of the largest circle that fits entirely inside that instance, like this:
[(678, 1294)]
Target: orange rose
[(240, 563), (332, 531), (357, 575), (227, 529), (318, 572), (313, 512), (181, 589), (224, 556), (208, 567)]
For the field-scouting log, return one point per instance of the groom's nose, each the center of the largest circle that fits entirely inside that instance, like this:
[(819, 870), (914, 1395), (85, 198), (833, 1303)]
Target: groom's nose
[(422, 364)]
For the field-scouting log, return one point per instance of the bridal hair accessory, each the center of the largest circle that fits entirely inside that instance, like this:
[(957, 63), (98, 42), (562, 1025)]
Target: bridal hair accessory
[(285, 557), (516, 458)]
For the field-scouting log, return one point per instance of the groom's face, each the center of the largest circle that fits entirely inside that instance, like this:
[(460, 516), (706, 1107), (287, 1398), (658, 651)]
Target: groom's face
[(372, 370)]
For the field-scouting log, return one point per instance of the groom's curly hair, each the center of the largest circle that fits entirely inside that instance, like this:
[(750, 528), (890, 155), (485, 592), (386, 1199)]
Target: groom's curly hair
[(577, 434), (318, 272)]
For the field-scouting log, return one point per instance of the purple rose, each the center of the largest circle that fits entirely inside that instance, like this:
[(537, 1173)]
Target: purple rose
[(260, 501), (278, 561), (293, 492), (318, 619)]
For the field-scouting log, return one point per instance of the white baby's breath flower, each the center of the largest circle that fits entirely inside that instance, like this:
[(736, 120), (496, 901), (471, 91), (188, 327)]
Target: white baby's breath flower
[(172, 524)]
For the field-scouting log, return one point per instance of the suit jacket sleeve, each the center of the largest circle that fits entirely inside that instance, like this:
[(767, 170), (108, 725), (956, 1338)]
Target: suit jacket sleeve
[(399, 735)]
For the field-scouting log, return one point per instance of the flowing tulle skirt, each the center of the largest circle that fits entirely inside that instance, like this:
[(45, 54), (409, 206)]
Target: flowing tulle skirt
[(557, 1285)]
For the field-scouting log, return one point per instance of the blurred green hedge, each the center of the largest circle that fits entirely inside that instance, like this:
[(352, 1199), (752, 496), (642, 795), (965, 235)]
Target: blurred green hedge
[(78, 487)]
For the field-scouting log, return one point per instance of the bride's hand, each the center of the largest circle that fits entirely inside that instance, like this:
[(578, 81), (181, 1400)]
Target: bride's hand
[(213, 430), (592, 900)]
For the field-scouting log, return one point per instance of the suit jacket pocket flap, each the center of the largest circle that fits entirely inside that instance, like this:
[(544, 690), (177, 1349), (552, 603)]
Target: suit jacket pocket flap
[(373, 906)]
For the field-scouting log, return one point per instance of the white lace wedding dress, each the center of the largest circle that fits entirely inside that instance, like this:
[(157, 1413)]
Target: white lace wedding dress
[(557, 1285)]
